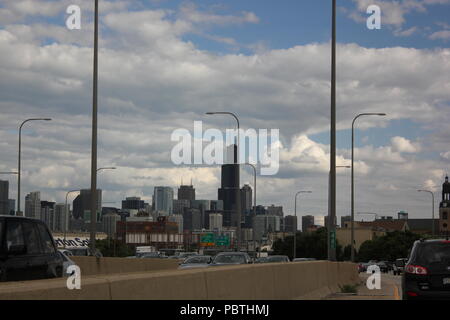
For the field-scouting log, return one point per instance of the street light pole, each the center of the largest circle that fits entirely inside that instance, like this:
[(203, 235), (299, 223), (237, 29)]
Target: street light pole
[(238, 190), (20, 157), (94, 135), (432, 210), (353, 182), (296, 222), (331, 227), (254, 205), (66, 225)]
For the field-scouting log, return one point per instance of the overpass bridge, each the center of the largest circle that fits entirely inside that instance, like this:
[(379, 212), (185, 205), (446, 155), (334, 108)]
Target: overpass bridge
[(159, 279)]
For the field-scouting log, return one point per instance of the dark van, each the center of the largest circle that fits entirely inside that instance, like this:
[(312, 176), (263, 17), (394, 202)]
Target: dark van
[(27, 250)]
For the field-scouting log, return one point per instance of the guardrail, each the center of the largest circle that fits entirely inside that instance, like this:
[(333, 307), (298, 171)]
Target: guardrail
[(277, 281)]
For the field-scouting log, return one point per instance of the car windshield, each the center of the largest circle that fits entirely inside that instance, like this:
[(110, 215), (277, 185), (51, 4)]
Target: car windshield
[(197, 260), (229, 258), (434, 253)]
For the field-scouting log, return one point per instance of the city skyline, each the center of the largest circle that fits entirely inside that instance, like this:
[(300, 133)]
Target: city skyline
[(263, 78)]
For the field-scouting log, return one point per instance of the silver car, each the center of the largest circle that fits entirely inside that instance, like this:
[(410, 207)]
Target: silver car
[(66, 261), (195, 262)]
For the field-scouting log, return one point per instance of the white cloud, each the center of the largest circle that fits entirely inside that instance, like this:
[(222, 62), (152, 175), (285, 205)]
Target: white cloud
[(440, 35), (401, 144)]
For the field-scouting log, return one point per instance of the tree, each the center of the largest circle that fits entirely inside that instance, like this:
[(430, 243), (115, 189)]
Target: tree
[(309, 245), (389, 247), (113, 248)]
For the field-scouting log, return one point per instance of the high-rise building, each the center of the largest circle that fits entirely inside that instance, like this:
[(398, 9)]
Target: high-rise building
[(265, 224), (163, 201), (33, 205), (180, 205), (82, 203), (275, 210), (109, 224), (444, 209), (134, 203), (326, 221), (307, 222), (227, 192), (215, 222), (178, 219), (4, 197), (12, 206), (290, 224), (48, 214), (186, 193), (62, 217), (192, 219), (246, 199)]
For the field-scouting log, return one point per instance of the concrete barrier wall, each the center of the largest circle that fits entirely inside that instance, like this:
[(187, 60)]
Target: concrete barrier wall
[(280, 281), (102, 266)]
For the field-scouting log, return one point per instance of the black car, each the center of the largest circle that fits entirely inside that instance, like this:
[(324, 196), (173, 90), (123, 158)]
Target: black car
[(27, 250), (427, 273), (271, 259)]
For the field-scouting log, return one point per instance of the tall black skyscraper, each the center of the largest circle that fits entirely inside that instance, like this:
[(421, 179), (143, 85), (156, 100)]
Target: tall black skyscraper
[(186, 192), (228, 194), (82, 203)]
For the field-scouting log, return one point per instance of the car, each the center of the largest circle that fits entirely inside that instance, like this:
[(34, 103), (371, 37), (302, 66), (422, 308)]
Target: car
[(183, 255), (277, 259), (27, 250), (151, 255), (85, 252), (383, 266), (261, 260), (303, 259), (399, 266), (67, 252), (66, 261), (231, 258), (427, 272), (195, 261)]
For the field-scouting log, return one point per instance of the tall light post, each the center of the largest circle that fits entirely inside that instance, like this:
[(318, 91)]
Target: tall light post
[(432, 209), (66, 224), (236, 161), (94, 134), (331, 227), (20, 157), (254, 205), (295, 231), (353, 181), (332, 177)]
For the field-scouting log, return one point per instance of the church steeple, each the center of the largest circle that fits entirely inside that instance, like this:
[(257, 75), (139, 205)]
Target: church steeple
[(446, 190)]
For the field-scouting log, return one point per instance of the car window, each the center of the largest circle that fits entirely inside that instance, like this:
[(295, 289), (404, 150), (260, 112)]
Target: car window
[(31, 237), (438, 252), (232, 258), (14, 234), (46, 240), (1, 235)]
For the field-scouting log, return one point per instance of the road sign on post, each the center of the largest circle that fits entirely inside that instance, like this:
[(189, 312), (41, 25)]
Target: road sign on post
[(333, 240)]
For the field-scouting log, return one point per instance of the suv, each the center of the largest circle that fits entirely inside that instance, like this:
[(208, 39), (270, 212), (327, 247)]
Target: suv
[(427, 273), (27, 250)]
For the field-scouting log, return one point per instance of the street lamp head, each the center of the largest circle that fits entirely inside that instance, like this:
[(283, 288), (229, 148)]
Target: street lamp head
[(382, 114), (210, 113), (47, 119)]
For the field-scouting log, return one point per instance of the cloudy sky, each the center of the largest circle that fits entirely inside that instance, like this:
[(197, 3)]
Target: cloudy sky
[(164, 63)]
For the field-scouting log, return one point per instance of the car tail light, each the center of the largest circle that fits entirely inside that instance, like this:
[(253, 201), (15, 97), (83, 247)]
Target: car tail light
[(416, 270), (411, 294)]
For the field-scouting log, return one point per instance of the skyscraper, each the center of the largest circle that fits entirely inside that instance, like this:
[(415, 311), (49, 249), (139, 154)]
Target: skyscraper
[(134, 203), (246, 199), (62, 217), (186, 193), (307, 221), (4, 197), (12, 206), (163, 200), (290, 224), (33, 205), (215, 221), (82, 203), (48, 214)]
